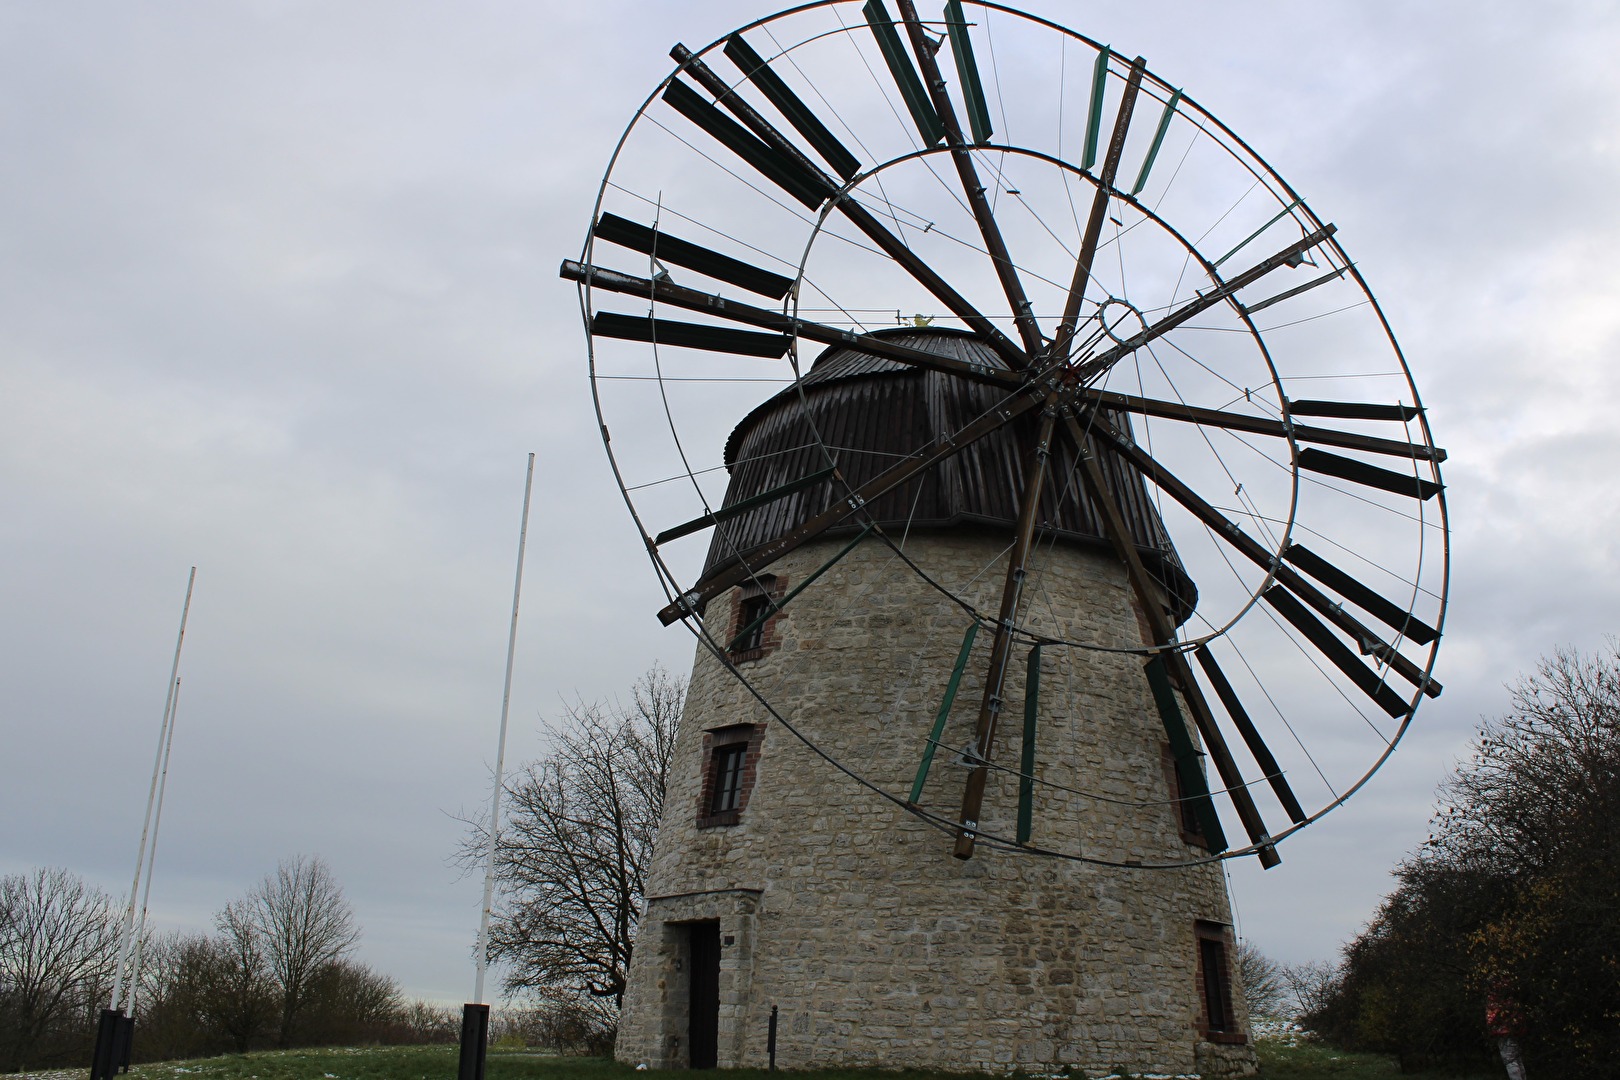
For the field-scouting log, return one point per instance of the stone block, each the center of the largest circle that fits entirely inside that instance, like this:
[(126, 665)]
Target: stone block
[(851, 916)]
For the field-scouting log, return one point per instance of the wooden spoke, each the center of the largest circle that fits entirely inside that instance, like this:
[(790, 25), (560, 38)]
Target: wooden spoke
[(1251, 735), (805, 122), (672, 249), (1359, 472), (689, 335), (1287, 294), (774, 606), (784, 172), (856, 214), (1095, 366), (1260, 425), (984, 734), (1336, 651), (742, 506), (667, 292), (1222, 526), (692, 601), (1391, 615), (1099, 200), (1151, 600), (1226, 765), (967, 172)]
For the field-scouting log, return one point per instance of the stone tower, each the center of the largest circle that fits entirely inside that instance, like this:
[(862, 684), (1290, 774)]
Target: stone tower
[(784, 886)]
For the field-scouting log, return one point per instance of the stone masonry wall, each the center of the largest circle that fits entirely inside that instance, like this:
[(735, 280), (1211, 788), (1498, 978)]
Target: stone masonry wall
[(850, 914)]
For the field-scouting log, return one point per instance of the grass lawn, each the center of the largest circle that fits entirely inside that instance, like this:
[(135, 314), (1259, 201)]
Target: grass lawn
[(1291, 1059), (378, 1063), (439, 1063), (1281, 1061), (1278, 1061)]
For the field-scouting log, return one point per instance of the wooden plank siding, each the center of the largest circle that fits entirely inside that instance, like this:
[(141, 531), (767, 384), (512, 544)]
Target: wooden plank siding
[(868, 413)]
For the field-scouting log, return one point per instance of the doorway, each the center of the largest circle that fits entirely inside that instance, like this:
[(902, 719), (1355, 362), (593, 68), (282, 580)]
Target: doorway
[(703, 994)]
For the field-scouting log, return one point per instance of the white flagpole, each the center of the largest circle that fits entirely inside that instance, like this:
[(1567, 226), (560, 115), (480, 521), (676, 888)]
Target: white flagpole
[(151, 856), (500, 751), (151, 798)]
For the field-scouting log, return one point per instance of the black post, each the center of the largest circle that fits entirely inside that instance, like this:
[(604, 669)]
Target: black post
[(126, 1043), (770, 1039), (104, 1060), (474, 1041)]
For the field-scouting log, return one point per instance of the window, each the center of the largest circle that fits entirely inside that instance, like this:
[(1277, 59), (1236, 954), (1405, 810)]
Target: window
[(725, 777), (1215, 983), (1212, 959), (730, 757), (751, 624), (754, 618), (1183, 809)]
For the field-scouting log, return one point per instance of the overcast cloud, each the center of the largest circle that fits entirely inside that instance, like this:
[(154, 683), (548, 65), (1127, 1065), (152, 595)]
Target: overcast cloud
[(278, 299)]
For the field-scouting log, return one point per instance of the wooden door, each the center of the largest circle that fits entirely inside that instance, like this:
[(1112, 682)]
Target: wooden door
[(703, 1025)]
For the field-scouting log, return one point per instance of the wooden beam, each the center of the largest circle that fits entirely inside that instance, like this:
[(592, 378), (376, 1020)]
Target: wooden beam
[(984, 735), (1164, 635)]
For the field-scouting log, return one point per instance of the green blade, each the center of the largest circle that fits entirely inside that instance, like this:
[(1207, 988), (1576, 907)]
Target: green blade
[(1193, 785), (1099, 83), (1026, 765), (968, 71), (944, 713), (905, 75), (1158, 141), (1244, 242)]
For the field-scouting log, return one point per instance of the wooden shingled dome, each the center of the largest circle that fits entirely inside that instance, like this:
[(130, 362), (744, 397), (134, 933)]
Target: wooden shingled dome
[(867, 413)]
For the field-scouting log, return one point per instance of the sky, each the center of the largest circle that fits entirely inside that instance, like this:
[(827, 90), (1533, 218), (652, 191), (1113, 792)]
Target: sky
[(278, 299)]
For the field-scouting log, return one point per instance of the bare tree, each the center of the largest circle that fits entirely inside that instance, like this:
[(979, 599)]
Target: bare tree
[(10, 915), (1262, 979), (168, 995), (302, 923), (1311, 985), (57, 946), (575, 847), (425, 1022), (237, 993)]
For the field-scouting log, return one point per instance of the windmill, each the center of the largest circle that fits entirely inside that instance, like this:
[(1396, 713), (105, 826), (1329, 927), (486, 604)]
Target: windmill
[(1090, 532)]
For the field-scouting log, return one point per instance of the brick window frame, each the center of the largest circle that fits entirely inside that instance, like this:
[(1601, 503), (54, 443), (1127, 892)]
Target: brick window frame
[(746, 600), (1183, 812), (1214, 952), (726, 788), (717, 743)]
